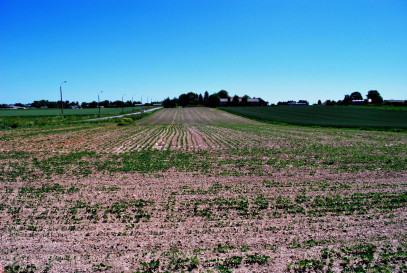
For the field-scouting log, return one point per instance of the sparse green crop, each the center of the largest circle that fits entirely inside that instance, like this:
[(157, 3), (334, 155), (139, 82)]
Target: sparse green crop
[(199, 196)]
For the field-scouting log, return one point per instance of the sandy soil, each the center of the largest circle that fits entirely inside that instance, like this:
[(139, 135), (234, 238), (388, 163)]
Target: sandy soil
[(49, 231), (194, 115), (202, 221)]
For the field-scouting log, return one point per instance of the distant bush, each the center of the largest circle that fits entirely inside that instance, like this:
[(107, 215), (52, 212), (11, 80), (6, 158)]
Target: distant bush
[(125, 121)]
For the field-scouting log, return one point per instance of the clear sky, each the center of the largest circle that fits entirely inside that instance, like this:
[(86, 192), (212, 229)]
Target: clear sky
[(277, 50)]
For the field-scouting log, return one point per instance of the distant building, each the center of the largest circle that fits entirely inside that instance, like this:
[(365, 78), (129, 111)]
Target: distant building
[(13, 107), (257, 102), (358, 102), (250, 102), (74, 107), (224, 102), (299, 103)]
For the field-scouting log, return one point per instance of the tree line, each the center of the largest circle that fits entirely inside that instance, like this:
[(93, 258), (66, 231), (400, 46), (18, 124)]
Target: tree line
[(193, 99), (76, 104), (372, 97), (213, 100)]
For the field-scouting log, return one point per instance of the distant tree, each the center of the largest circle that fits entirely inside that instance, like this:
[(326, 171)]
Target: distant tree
[(213, 100), (183, 100), (244, 100), (84, 105), (168, 103), (206, 98), (193, 98), (190, 99), (223, 94), (374, 95), (330, 103), (105, 103), (235, 100), (200, 99), (346, 100), (319, 102), (35, 104), (356, 96), (93, 104), (117, 103)]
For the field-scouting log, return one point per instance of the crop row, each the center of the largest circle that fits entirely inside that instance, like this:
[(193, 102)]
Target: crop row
[(356, 258), (19, 165), (302, 205), (327, 116)]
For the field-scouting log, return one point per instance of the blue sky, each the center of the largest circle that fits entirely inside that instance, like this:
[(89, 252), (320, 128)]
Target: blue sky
[(278, 50)]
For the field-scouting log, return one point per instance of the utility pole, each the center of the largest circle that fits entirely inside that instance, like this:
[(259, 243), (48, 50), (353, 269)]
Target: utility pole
[(123, 103), (99, 101), (62, 103)]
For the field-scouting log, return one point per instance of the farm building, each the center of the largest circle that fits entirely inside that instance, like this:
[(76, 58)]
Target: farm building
[(358, 102), (257, 102), (14, 107), (250, 102), (299, 103)]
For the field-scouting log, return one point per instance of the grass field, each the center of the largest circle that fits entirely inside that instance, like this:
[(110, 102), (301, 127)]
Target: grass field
[(31, 118), (67, 112), (340, 116), (202, 190)]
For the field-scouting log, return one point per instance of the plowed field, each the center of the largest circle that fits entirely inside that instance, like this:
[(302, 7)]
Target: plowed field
[(197, 115), (201, 190)]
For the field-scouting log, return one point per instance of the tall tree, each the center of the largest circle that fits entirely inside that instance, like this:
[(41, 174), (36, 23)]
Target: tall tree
[(183, 100), (223, 94), (235, 101), (213, 100), (374, 95), (244, 100), (168, 103), (356, 96), (206, 98), (190, 99), (347, 100)]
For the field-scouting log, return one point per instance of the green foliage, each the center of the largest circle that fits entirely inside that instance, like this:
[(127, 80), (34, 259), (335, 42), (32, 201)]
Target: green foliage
[(351, 117), (354, 258), (67, 112), (125, 121), (356, 96), (101, 267), (375, 97), (170, 103), (15, 268), (31, 118), (214, 100)]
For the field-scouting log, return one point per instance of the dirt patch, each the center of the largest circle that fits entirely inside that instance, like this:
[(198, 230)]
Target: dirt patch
[(196, 190), (123, 221), (194, 115)]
